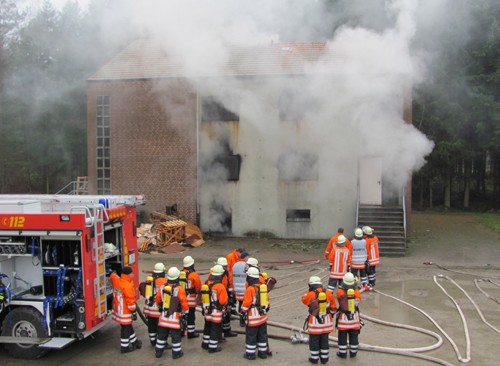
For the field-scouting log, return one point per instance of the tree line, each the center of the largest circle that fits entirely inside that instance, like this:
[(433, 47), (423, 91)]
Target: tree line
[(46, 55)]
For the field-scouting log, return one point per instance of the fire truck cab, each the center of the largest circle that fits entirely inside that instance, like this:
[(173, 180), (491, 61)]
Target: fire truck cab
[(56, 255)]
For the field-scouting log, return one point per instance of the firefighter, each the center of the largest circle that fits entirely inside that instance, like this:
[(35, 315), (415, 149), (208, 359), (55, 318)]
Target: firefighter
[(319, 321), (172, 305), (151, 307), (254, 309), (373, 257), (214, 295), (124, 309), (348, 321), (234, 257), (341, 261), (253, 262), (332, 243), (193, 286), (360, 248), (239, 281), (227, 281)]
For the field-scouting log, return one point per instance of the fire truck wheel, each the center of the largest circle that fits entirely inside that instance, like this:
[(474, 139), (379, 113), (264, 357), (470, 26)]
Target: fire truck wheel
[(24, 322)]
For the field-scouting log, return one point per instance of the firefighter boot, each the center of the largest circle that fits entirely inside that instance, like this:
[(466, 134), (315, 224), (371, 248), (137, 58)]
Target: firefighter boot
[(158, 353), (230, 333), (214, 350), (138, 344), (204, 346), (313, 360), (262, 354), (353, 354), (128, 349), (193, 335), (177, 354), (249, 356), (341, 355)]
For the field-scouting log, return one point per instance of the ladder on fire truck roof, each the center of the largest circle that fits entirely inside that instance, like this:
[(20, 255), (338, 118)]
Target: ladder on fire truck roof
[(98, 256)]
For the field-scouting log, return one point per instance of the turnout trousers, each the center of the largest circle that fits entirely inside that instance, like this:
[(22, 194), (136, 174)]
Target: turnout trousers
[(319, 347), (256, 338)]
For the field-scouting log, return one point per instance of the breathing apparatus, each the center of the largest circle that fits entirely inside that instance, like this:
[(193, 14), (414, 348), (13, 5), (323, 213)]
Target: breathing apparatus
[(167, 297), (182, 279)]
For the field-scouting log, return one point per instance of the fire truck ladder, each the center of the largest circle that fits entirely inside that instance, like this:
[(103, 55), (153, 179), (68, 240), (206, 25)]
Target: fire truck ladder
[(96, 219)]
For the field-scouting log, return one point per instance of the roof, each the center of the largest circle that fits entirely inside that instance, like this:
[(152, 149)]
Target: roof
[(147, 59)]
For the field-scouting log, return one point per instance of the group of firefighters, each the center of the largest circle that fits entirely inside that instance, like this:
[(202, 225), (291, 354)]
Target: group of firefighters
[(235, 286)]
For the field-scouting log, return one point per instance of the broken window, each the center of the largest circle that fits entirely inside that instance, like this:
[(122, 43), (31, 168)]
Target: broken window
[(232, 164), (294, 105), (298, 215), (214, 110), (293, 166)]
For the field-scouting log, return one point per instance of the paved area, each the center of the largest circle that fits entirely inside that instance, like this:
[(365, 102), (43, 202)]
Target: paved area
[(457, 242)]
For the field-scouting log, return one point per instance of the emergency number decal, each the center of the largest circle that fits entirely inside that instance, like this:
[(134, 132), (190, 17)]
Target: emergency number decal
[(131, 258), (13, 221)]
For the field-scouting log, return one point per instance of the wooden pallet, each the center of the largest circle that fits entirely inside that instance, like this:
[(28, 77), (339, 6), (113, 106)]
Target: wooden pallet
[(170, 232)]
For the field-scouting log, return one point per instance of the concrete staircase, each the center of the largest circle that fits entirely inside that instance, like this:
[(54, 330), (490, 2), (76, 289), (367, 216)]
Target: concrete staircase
[(388, 225)]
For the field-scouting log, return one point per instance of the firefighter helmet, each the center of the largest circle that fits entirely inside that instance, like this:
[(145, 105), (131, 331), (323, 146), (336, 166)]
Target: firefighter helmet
[(369, 230), (159, 268), (358, 233), (173, 273), (348, 279), (315, 280), (188, 261), (222, 261), (340, 239), (252, 262), (218, 270), (253, 272)]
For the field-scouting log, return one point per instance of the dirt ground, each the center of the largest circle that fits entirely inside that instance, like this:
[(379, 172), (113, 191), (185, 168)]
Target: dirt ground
[(456, 242)]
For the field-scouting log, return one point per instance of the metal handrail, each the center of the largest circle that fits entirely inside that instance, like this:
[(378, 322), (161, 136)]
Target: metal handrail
[(404, 214), (74, 188)]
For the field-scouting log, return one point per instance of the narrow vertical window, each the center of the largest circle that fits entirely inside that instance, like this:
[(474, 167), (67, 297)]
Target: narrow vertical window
[(103, 146)]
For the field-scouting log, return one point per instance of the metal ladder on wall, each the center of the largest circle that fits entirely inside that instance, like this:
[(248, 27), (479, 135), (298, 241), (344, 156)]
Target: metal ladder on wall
[(99, 212)]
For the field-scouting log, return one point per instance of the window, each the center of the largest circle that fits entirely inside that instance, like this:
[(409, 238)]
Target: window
[(298, 215), (214, 110), (103, 146), (232, 164), (293, 166)]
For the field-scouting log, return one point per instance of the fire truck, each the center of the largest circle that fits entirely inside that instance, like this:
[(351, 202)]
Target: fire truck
[(56, 255)]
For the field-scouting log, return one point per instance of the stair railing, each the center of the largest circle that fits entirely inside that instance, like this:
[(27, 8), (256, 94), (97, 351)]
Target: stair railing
[(404, 216)]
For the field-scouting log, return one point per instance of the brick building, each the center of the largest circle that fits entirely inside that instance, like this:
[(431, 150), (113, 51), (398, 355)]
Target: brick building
[(262, 141)]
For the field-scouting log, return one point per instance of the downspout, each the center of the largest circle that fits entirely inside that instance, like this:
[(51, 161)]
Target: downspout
[(357, 198), (198, 126)]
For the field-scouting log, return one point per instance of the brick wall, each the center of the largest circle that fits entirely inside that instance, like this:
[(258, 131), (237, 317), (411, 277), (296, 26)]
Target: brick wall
[(153, 141)]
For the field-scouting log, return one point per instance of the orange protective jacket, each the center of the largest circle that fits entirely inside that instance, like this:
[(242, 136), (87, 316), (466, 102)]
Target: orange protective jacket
[(373, 255), (153, 309), (250, 305), (331, 245), (344, 322), (232, 258), (227, 280), (123, 298), (315, 327), (172, 321), (193, 287), (341, 261), (218, 294)]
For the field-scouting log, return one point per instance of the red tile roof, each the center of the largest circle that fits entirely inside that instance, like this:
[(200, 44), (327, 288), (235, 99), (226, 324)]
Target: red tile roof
[(146, 59)]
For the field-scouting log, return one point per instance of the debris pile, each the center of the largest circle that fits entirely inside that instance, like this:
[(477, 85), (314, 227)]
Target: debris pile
[(168, 233)]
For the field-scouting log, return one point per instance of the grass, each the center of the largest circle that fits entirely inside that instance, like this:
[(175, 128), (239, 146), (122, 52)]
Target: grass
[(490, 220)]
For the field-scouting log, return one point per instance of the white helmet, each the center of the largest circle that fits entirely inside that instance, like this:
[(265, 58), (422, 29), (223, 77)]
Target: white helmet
[(253, 272), (348, 279), (222, 261), (218, 270), (369, 230), (188, 261), (341, 239), (315, 280), (358, 233), (173, 273), (252, 262), (159, 268)]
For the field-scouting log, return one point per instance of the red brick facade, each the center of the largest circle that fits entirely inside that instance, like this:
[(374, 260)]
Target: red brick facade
[(153, 141)]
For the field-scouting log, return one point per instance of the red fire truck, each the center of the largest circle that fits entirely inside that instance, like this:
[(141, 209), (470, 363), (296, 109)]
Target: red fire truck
[(56, 255)]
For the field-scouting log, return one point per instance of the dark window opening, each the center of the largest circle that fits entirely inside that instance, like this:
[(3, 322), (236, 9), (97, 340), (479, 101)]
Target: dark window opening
[(232, 163), (293, 166), (213, 110), (298, 215)]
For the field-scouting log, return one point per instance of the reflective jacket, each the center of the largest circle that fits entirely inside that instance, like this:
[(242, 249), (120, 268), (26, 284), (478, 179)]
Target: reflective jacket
[(218, 299), (239, 280), (373, 256), (193, 286), (341, 261), (232, 259), (123, 298), (359, 253), (172, 320), (315, 327), (152, 310), (332, 244), (251, 306), (344, 323)]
